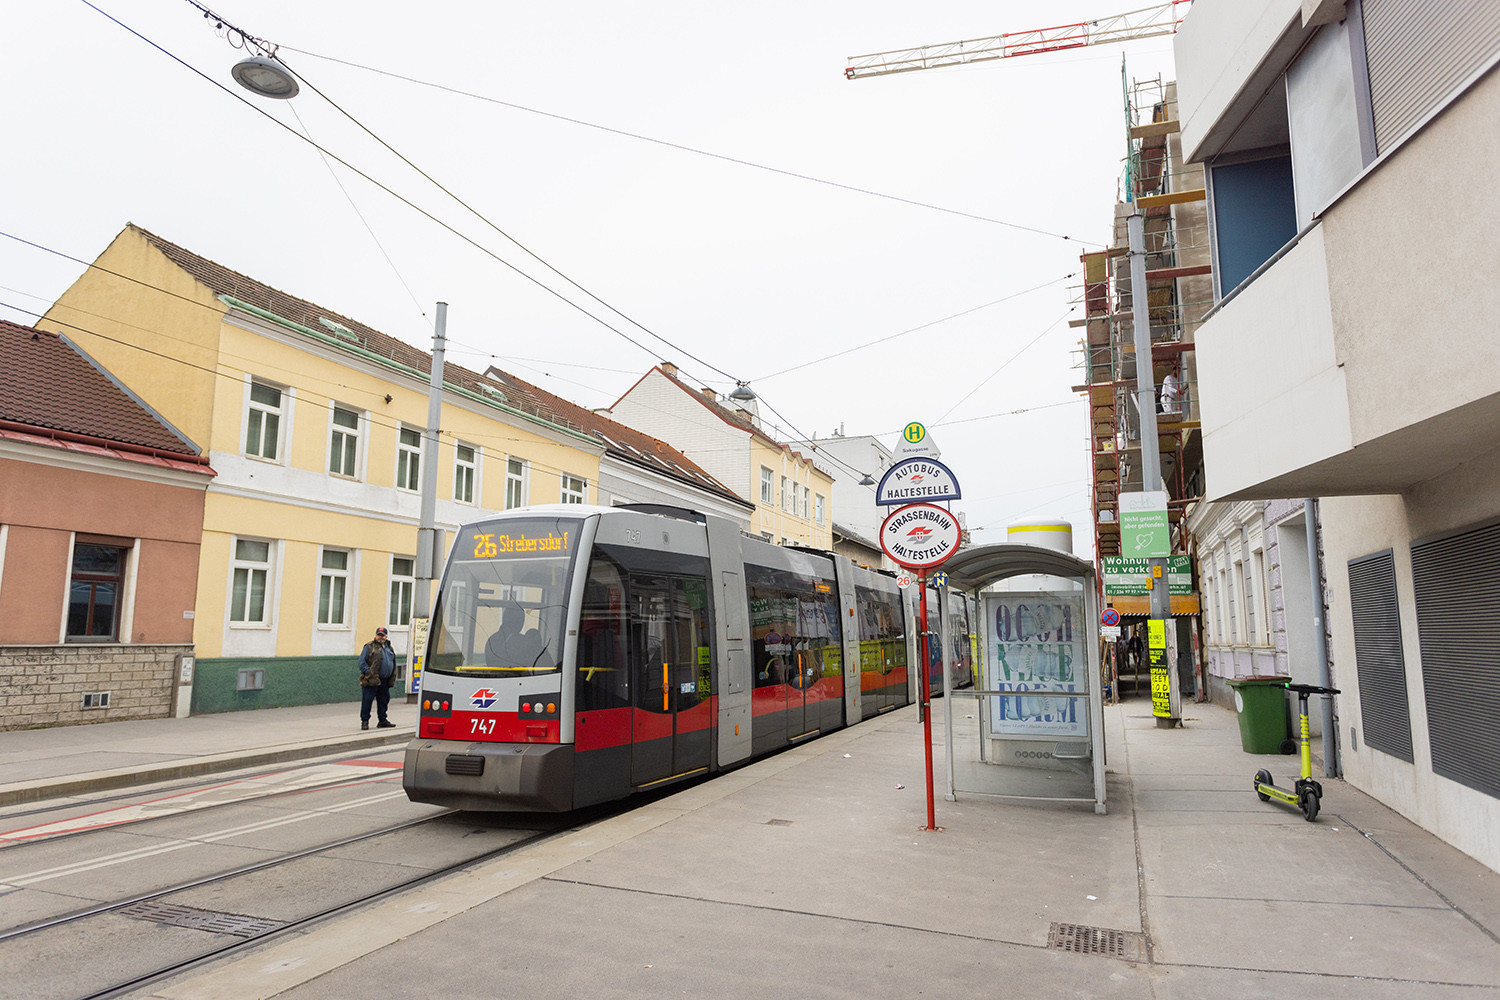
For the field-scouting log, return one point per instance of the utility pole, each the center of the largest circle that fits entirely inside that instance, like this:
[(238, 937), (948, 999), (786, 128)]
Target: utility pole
[(429, 546), (1165, 693)]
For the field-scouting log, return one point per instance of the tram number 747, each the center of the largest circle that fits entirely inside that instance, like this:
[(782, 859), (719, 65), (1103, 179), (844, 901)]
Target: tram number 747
[(485, 726)]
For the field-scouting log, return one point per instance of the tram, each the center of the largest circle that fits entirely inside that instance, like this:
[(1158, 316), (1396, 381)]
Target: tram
[(579, 654)]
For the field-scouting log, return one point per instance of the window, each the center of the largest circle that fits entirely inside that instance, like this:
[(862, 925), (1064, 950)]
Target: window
[(403, 582), (767, 486), (1254, 215), (95, 589), (819, 514), (251, 576), (343, 449), (806, 512), (1233, 601), (463, 474), (515, 483), (1262, 597), (786, 493), (574, 490), (333, 587), (263, 421), (409, 460), (1251, 635)]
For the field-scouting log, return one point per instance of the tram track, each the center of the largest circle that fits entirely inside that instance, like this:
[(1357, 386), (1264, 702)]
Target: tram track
[(185, 788), (52, 934)]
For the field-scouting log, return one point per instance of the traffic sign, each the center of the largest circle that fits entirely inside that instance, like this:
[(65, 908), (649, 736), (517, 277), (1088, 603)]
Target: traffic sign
[(903, 581), (916, 443), (1109, 618), (939, 579), (920, 536), (917, 480)]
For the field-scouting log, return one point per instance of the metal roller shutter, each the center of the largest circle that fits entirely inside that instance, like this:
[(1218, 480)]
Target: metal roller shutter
[(1457, 584), (1418, 51), (1377, 654)]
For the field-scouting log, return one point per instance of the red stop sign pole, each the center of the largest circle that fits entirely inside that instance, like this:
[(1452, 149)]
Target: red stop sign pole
[(920, 536), (926, 698)]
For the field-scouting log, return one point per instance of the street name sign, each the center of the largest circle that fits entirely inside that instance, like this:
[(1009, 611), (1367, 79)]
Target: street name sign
[(917, 480), (919, 536)]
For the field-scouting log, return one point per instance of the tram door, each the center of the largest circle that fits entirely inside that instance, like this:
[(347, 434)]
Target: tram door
[(672, 716)]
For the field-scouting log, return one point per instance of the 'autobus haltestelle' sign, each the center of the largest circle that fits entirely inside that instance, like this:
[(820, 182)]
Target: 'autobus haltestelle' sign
[(917, 480), (920, 536)]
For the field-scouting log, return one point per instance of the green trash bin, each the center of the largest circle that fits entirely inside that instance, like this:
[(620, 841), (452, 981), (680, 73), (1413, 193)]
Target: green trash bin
[(1260, 703)]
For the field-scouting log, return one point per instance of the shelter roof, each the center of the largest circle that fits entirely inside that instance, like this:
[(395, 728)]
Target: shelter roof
[(982, 565)]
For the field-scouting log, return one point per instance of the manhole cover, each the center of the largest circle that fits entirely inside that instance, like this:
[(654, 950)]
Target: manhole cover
[(236, 924), (1083, 940), (778, 822)]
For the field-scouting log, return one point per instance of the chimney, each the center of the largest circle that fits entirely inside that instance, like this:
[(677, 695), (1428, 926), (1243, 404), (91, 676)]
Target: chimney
[(669, 369), (709, 394)]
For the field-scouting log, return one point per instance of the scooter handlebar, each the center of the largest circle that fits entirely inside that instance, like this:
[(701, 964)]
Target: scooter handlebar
[(1311, 689)]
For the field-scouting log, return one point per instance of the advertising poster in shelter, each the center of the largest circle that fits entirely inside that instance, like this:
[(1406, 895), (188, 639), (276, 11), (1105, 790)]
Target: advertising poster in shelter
[(1035, 643)]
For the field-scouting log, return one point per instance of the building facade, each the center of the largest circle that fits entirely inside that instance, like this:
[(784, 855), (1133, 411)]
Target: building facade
[(790, 491), (315, 424), (1350, 355), (101, 515)]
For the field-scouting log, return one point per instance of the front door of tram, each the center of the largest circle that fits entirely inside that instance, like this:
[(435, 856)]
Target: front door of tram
[(672, 711)]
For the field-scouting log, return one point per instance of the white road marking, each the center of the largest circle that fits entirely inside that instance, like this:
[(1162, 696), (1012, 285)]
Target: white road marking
[(214, 795), (167, 847)]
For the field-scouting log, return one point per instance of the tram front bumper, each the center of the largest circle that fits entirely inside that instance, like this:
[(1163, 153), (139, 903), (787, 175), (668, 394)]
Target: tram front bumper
[(490, 777)]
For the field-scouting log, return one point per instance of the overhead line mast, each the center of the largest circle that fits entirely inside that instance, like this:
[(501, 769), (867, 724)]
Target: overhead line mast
[(1148, 22)]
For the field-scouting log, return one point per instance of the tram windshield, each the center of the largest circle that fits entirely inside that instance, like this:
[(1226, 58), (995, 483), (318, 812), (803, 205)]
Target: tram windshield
[(503, 606)]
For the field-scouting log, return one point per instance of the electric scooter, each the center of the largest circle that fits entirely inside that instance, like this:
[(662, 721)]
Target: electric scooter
[(1306, 794)]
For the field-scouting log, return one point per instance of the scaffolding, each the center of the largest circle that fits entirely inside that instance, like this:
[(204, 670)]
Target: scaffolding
[(1179, 290)]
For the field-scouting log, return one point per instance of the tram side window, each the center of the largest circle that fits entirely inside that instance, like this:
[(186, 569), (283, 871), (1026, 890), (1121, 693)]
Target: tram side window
[(793, 620), (603, 670), (882, 635)]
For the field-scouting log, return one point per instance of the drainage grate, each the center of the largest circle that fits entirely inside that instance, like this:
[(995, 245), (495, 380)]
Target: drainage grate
[(1082, 940), (236, 924), (778, 822)]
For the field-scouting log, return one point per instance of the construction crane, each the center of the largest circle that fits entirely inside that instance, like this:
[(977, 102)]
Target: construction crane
[(1148, 22)]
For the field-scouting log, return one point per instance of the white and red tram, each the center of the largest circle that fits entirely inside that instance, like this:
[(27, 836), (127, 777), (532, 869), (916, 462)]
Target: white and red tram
[(579, 654)]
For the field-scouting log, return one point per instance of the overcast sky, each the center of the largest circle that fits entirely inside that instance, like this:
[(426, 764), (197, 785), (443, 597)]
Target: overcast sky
[(753, 274)]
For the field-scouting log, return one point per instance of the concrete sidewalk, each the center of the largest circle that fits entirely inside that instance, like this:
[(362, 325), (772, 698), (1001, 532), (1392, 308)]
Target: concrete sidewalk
[(42, 764), (808, 875)]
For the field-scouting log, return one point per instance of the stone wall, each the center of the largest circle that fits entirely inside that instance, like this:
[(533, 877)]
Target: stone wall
[(44, 685)]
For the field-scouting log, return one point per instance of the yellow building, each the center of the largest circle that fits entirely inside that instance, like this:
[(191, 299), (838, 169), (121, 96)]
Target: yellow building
[(314, 425)]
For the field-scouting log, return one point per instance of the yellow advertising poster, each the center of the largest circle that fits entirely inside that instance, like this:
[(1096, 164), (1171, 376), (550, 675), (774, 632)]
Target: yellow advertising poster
[(1156, 645), (417, 653)]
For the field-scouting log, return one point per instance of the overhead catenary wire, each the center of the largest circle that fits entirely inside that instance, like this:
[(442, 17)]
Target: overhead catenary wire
[(384, 187), (361, 216), (915, 329), (693, 149)]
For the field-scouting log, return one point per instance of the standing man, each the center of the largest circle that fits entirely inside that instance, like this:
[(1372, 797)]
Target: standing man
[(377, 668)]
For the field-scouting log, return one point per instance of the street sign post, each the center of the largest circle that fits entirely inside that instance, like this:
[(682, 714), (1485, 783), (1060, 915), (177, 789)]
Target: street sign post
[(921, 536)]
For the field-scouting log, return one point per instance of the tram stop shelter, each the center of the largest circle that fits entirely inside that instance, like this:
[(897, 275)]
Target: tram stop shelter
[(1027, 722)]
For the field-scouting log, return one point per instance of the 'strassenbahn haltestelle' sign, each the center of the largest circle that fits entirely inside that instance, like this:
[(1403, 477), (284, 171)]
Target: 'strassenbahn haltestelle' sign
[(917, 480), (920, 536)]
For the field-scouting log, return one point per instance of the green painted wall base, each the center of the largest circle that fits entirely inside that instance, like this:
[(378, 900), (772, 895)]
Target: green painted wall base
[(288, 681)]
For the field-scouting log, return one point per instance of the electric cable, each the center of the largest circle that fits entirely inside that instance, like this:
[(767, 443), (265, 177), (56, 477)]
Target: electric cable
[(692, 149), (388, 190)]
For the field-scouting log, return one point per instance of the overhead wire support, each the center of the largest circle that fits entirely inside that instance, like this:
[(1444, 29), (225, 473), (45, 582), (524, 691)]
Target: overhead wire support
[(1148, 22)]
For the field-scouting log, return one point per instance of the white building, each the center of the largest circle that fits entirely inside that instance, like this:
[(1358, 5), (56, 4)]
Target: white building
[(1351, 355)]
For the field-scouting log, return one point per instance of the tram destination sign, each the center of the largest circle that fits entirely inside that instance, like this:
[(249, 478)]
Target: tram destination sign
[(917, 480), (920, 536)]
